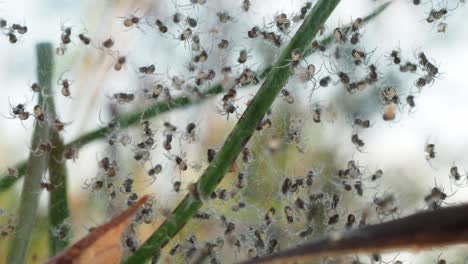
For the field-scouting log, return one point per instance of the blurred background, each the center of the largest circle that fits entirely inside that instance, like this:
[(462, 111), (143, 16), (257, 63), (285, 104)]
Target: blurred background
[(396, 147)]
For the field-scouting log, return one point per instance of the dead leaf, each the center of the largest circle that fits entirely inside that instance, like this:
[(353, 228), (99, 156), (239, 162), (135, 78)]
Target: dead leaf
[(102, 245)]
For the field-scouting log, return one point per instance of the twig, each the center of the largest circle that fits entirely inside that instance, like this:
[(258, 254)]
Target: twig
[(427, 229)]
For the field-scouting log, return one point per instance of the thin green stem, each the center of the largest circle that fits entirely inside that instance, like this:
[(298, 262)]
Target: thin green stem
[(37, 165), (245, 127), (59, 228), (159, 108)]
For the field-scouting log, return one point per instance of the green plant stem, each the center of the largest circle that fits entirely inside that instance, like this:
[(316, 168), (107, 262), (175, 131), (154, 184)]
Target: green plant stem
[(59, 213), (58, 205), (37, 165), (159, 108), (240, 135), (134, 118)]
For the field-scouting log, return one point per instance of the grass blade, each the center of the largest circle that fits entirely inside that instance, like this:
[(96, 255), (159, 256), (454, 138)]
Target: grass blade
[(37, 165), (240, 135)]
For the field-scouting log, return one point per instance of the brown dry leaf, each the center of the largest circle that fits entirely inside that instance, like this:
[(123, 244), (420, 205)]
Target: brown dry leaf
[(102, 245), (439, 228)]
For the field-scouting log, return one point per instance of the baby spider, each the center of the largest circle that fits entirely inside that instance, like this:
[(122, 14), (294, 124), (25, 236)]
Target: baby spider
[(84, 39), (58, 125), (454, 173), (150, 69), (459, 179), (317, 113), (372, 76), (317, 46), (429, 148), (344, 78), (127, 185), (436, 197), (355, 37), (107, 45), (246, 155), (192, 22), (169, 128), (70, 153), (228, 107), (351, 220), (283, 23), (408, 67), (243, 55), (224, 17), (122, 98), (307, 74), (43, 148), (161, 26), (132, 21), (65, 83), (223, 44), (361, 57), (201, 57), (273, 38), (180, 161), (45, 185), (288, 98), (386, 205), (410, 101), (377, 175), (395, 56), (435, 14), (325, 81), (19, 112), (12, 38), (120, 62), (65, 36), (361, 123), (356, 25), (153, 171), (167, 142), (389, 95), (19, 29), (340, 35), (254, 32), (190, 134), (423, 81)]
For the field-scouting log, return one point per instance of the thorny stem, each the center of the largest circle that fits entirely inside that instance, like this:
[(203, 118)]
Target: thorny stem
[(240, 135), (29, 200), (159, 108)]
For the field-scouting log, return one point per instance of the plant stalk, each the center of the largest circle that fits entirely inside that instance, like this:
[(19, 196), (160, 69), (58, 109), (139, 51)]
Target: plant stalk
[(245, 127), (37, 164)]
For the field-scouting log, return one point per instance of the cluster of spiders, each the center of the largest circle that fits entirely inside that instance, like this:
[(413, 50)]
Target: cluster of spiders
[(308, 204)]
